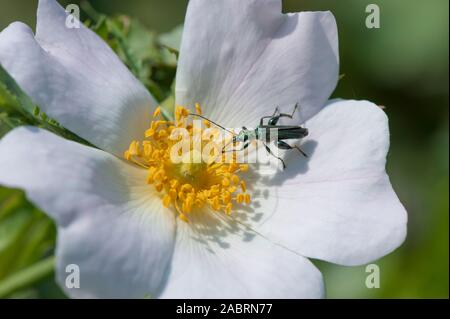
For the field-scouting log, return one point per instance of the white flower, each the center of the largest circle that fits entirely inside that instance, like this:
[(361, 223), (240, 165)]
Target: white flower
[(239, 59)]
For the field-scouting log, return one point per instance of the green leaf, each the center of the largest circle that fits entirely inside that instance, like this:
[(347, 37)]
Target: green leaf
[(17, 109), (26, 234), (15, 105), (172, 39), (10, 229), (141, 49), (12, 97), (27, 277)]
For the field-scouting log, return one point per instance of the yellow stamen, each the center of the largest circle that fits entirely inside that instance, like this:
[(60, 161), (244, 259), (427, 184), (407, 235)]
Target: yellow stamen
[(166, 201), (184, 218), (189, 186), (247, 199), (226, 182), (157, 112), (198, 109), (149, 133), (243, 167), (235, 179), (243, 186)]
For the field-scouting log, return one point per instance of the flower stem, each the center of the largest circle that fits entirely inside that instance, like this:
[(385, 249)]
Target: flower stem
[(27, 277)]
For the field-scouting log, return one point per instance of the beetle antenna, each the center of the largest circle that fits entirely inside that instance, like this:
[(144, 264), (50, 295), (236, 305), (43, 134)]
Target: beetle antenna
[(218, 125)]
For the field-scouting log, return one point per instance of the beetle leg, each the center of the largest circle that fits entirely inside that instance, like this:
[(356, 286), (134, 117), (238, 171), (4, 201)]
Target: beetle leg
[(261, 122), (289, 115), (244, 147), (301, 151), (285, 146), (271, 153), (274, 119), (295, 109), (277, 110)]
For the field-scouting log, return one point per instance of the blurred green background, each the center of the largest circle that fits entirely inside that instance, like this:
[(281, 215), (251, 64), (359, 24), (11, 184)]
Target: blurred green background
[(403, 66)]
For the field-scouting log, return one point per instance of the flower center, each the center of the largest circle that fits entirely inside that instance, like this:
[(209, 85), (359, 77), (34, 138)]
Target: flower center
[(200, 176)]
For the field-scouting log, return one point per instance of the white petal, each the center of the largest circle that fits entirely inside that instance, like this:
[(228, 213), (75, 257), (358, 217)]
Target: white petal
[(110, 224), (241, 59), (337, 205), (76, 79), (215, 258)]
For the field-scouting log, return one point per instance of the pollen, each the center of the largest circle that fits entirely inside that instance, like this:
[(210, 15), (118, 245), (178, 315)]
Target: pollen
[(195, 183)]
